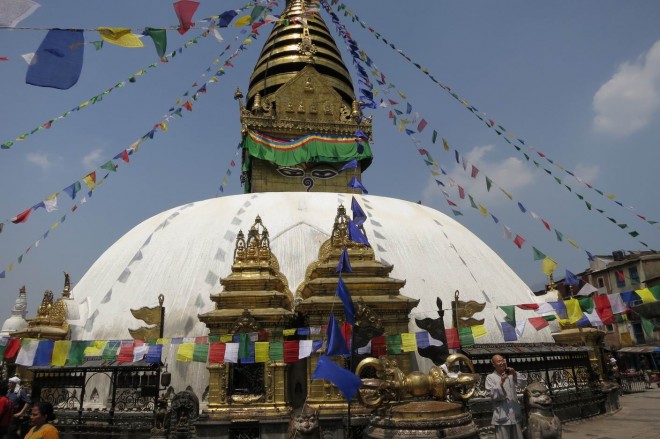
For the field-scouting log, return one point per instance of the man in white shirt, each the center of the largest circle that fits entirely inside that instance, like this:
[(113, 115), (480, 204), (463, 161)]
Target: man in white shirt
[(501, 384)]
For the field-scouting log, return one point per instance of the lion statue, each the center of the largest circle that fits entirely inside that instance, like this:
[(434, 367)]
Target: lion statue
[(542, 423), (304, 424)]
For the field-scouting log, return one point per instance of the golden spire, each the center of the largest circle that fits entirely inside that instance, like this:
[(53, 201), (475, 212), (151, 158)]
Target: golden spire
[(299, 38)]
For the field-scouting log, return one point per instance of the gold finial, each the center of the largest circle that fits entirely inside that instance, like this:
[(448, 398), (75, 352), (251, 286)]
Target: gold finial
[(66, 292)]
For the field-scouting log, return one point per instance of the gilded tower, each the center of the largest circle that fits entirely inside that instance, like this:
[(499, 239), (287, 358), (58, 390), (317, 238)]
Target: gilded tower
[(301, 122)]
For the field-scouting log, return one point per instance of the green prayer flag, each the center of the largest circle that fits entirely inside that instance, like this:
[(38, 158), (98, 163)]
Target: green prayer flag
[(276, 350), (465, 337), (111, 350), (586, 304), (201, 352), (633, 233), (435, 136), (538, 255), (656, 291), (550, 318), (648, 326), (472, 202), (109, 166), (97, 44), (77, 353), (510, 311), (560, 236), (159, 37), (393, 344), (244, 346), (489, 183)]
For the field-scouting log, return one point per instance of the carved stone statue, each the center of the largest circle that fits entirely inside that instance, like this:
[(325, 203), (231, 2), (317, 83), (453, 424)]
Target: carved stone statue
[(542, 423), (304, 424)]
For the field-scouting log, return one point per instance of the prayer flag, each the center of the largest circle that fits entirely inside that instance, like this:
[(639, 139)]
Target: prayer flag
[(231, 352), (618, 306), (646, 295), (353, 164), (120, 36), (408, 342), (347, 382), (519, 241), (548, 266), (12, 348), (291, 351), (336, 343), (58, 60), (159, 37), (510, 311), (305, 348), (184, 352), (60, 353), (217, 353), (154, 354), (452, 338), (604, 309), (261, 351), (77, 353), (359, 217), (649, 327), (140, 351), (571, 279), (479, 331), (587, 289), (538, 322), (345, 297), (226, 18), (393, 343), (509, 331), (586, 304), (184, 10), (355, 184), (573, 310), (200, 352), (355, 235), (111, 349), (21, 217), (276, 351), (344, 265), (465, 337), (27, 353), (560, 309)]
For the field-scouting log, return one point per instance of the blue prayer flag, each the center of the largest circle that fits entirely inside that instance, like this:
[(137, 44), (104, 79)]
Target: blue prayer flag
[(346, 381), (571, 279), (359, 217), (345, 296), (336, 342), (355, 184), (509, 332), (58, 60), (344, 265), (353, 164), (355, 235)]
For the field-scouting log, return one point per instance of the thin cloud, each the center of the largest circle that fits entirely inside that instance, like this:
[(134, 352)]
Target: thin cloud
[(40, 159), (587, 173), (627, 102), (509, 174), (93, 159)]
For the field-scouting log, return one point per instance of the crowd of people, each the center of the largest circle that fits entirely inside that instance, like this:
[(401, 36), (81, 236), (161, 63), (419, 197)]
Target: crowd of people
[(20, 418)]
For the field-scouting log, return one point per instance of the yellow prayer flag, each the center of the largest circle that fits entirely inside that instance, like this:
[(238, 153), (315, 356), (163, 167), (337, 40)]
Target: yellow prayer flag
[(509, 196), (408, 342), (53, 227), (121, 36), (95, 348), (226, 338), (242, 21), (611, 196), (434, 172), (261, 350), (163, 341), (60, 352), (646, 295), (90, 180), (163, 127), (573, 243), (479, 331), (10, 267), (483, 210), (185, 352), (288, 332), (573, 310), (548, 266)]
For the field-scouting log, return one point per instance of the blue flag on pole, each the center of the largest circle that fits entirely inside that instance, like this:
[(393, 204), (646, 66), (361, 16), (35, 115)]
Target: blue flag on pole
[(344, 265), (350, 165), (346, 381), (58, 60), (345, 296), (355, 235), (355, 184), (359, 217), (336, 342), (571, 279)]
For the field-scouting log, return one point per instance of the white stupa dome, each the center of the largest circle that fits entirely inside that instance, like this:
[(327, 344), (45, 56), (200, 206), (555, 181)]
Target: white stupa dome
[(183, 252)]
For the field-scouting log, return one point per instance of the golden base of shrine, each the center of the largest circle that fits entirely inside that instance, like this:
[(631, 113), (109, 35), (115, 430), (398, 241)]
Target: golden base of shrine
[(423, 419)]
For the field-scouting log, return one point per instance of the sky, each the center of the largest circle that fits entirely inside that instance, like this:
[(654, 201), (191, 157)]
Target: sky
[(578, 82)]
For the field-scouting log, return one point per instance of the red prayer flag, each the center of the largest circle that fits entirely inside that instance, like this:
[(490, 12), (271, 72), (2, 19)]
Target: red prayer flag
[(475, 171), (291, 351), (187, 106), (452, 338), (21, 217), (421, 126), (184, 10), (604, 309), (217, 353), (538, 322), (13, 346), (531, 306), (545, 223), (124, 156), (519, 241), (619, 274), (461, 192), (451, 203), (346, 329), (378, 346), (126, 352)]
